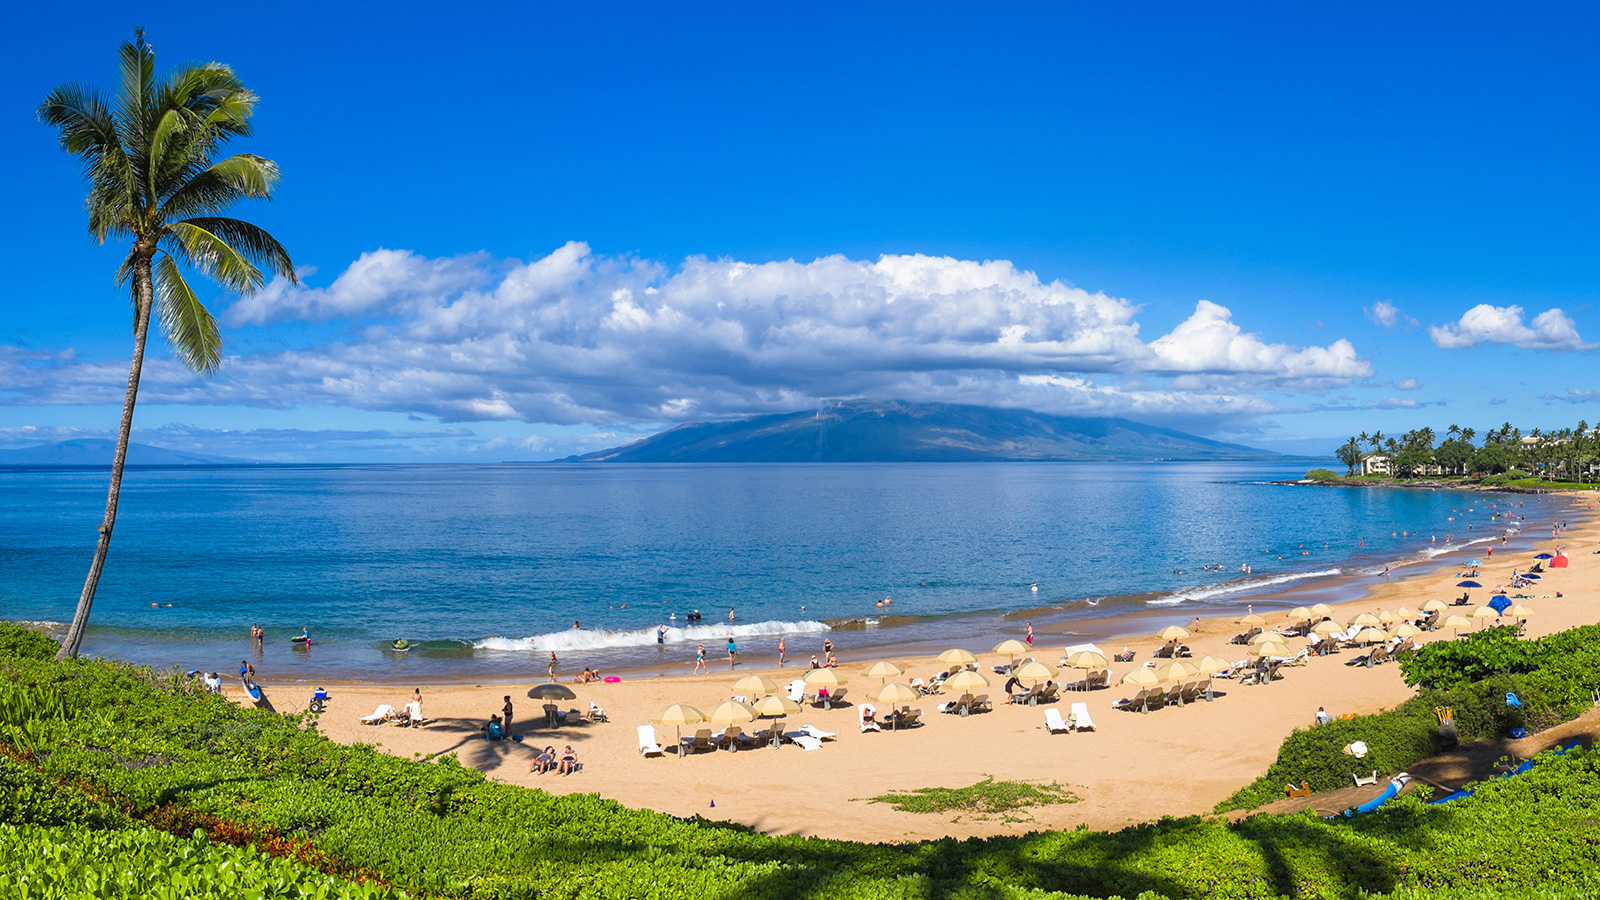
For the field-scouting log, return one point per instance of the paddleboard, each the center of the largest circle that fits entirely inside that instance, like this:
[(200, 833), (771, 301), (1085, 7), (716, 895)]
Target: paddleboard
[(254, 690)]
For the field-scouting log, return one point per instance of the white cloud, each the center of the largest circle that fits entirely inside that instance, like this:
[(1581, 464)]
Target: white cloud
[(1407, 384), (1385, 314), (576, 338), (1550, 330), (1574, 395)]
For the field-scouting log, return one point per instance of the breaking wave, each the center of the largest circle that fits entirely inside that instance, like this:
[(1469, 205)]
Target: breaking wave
[(576, 639)]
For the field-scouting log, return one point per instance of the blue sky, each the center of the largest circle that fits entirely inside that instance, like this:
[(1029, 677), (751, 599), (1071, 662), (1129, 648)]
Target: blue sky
[(528, 231)]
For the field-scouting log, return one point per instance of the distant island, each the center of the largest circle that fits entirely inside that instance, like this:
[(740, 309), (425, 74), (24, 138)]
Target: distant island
[(895, 431), (98, 452)]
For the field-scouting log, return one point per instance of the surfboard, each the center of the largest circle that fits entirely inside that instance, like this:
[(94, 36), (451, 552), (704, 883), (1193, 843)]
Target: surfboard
[(254, 690)]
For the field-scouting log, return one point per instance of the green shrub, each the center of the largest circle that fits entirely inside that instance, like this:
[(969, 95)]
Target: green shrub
[(1324, 475), (25, 643)]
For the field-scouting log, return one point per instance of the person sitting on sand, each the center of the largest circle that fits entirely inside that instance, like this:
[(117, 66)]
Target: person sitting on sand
[(569, 762), (814, 663), (493, 729), (1322, 716), (833, 661)]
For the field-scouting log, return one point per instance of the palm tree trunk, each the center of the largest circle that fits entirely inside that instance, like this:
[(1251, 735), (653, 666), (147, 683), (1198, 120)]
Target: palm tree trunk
[(141, 328)]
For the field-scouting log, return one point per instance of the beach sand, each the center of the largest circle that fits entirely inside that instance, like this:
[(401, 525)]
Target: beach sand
[(1133, 768)]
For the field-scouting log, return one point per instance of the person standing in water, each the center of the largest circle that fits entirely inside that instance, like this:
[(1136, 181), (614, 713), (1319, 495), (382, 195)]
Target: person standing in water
[(780, 652), (550, 669), (700, 658), (730, 616)]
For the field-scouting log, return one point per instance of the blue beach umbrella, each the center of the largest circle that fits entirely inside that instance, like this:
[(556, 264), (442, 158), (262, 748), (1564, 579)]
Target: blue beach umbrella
[(1469, 584), (1499, 604), (1544, 556), (1474, 562)]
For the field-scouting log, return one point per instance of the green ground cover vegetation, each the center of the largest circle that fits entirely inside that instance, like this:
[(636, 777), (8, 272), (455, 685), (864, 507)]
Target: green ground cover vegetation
[(986, 797), (137, 764)]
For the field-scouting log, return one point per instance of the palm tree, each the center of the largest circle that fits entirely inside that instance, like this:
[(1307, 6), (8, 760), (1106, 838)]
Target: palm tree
[(147, 157)]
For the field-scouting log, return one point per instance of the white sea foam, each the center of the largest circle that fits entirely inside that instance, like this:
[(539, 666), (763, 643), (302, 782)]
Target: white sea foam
[(585, 639), (1240, 586)]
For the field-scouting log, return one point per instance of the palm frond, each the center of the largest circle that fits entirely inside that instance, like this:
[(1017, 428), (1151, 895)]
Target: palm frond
[(252, 241), (212, 256), (190, 328), (218, 186), (135, 107)]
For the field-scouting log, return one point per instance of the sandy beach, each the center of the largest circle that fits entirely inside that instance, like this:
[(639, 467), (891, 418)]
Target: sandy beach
[(1132, 768)]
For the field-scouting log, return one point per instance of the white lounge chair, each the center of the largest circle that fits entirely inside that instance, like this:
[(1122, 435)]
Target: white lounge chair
[(797, 691), (862, 711), (379, 716), (1080, 717), (647, 741), (1052, 721), (805, 741), (817, 733)]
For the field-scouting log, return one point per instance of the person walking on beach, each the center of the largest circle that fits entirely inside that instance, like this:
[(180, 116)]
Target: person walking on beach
[(1029, 638), (700, 658), (505, 712), (780, 652), (550, 669), (733, 651)]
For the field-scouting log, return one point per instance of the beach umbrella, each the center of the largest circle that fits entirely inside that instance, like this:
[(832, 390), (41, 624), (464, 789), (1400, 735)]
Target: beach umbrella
[(966, 681), (1033, 672), (1326, 626), (1271, 648), (775, 705), (1468, 584), (1207, 665), (1388, 616), (1545, 556), (891, 695), (957, 657), (1251, 620), (1431, 605), (824, 678), (1519, 611), (1366, 619), (1144, 676), (1176, 671), (1370, 635), (1011, 648), (1456, 623), (552, 691), (1085, 659), (755, 686), (731, 712), (1321, 609), (1405, 612), (1173, 633), (1266, 637), (1474, 562), (883, 670), (1407, 629), (1300, 614), (1485, 613), (1499, 604), (1560, 562), (677, 715)]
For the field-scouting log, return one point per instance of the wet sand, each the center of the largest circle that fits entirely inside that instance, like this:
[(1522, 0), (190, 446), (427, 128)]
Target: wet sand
[(1132, 768)]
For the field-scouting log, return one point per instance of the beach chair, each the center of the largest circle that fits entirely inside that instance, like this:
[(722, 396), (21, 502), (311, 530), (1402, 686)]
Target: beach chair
[(700, 741), (980, 702), (797, 691), (836, 697), (910, 718), (730, 738), (803, 741), (764, 736), (949, 706), (1020, 698), (1191, 693), (816, 732), (1244, 638), (1100, 679), (1304, 790), (1053, 723), (1080, 718), (862, 712), (1050, 693), (920, 686), (647, 741), (382, 714), (1364, 780), (596, 714), (1126, 657), (1299, 659), (1136, 703), (775, 733), (1379, 654)]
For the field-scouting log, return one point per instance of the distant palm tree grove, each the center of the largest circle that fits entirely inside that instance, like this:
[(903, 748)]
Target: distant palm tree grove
[(1570, 455)]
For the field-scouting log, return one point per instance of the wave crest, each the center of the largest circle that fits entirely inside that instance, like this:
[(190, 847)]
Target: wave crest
[(576, 639)]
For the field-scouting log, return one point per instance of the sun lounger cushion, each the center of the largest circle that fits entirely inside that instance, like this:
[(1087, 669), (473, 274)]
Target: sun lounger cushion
[(1053, 722), (1080, 717), (647, 741)]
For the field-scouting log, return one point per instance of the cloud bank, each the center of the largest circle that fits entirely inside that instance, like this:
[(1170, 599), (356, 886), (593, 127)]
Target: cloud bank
[(580, 338), (1549, 330)]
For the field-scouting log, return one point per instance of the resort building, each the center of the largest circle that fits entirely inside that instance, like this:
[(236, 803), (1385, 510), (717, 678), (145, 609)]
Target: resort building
[(1376, 464)]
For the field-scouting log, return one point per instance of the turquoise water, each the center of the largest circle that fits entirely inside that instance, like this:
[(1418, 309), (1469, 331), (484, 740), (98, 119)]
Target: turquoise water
[(486, 568)]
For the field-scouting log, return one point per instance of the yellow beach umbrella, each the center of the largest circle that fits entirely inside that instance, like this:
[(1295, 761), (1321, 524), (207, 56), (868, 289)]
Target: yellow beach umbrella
[(957, 657), (1206, 665), (1300, 614), (1270, 648), (755, 686), (1388, 616), (1456, 623), (1405, 612), (1485, 612), (892, 694), (1519, 612), (1326, 626), (1144, 676), (1085, 659), (1252, 620), (1370, 635), (1431, 605), (966, 681), (1012, 648), (1366, 619), (678, 715), (731, 712), (775, 705), (824, 678), (883, 670), (1406, 629), (1266, 636), (1176, 671), (1034, 672), (1173, 633), (1321, 609)]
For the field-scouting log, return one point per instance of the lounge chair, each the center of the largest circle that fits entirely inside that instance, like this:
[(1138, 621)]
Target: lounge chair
[(731, 738), (382, 714), (596, 714), (1020, 698), (817, 733), (949, 706), (700, 741), (1080, 718), (1136, 703), (1190, 693), (774, 735), (1050, 693), (1053, 723), (920, 686), (866, 724), (647, 741), (910, 718), (1244, 638), (1100, 679), (797, 691), (835, 698), (1304, 790), (1165, 651), (1126, 657), (981, 702), (1364, 780), (803, 741)]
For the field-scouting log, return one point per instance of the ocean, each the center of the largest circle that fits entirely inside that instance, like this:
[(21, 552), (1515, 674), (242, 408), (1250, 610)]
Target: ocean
[(485, 570)]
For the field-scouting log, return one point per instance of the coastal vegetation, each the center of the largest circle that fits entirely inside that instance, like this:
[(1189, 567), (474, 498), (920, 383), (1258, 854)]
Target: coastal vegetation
[(148, 153), (146, 770), (1570, 456), (986, 797), (1553, 679)]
